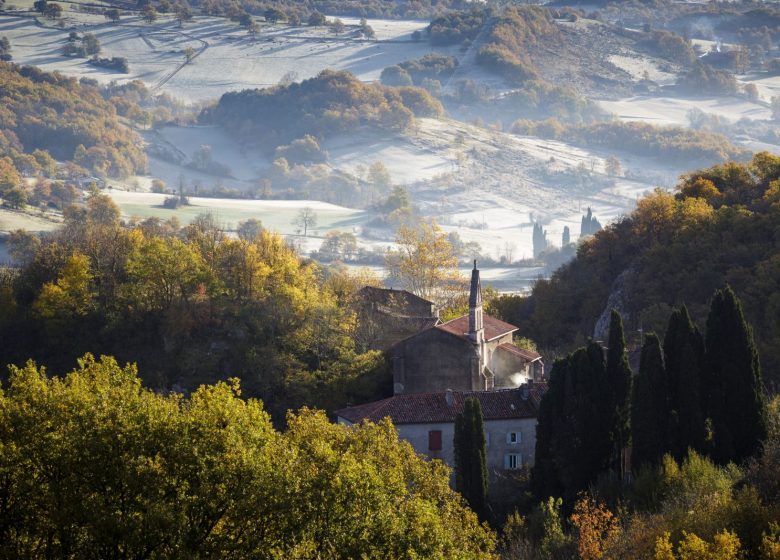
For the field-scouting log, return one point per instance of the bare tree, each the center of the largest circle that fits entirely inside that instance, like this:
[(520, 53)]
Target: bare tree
[(305, 219)]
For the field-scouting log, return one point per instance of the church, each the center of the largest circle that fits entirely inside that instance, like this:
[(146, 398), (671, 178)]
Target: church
[(473, 352)]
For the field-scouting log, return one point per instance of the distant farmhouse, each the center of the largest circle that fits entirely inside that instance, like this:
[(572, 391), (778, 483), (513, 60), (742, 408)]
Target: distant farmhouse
[(437, 366)]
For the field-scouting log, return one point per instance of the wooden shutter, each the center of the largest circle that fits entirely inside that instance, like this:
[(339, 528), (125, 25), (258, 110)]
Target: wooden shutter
[(434, 440)]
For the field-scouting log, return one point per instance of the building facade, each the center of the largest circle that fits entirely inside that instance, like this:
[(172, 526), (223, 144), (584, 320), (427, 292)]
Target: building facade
[(427, 421), (473, 352)]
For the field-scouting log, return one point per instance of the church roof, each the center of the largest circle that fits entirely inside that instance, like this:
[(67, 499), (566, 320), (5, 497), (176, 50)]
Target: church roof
[(429, 408), (494, 328), (528, 355)]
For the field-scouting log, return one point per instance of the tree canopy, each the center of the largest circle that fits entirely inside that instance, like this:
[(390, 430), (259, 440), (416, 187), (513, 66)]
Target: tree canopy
[(94, 465)]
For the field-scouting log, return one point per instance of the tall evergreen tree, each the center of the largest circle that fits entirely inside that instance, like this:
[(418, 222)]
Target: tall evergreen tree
[(683, 355), (649, 407), (471, 478), (619, 379), (736, 405), (544, 476), (573, 434)]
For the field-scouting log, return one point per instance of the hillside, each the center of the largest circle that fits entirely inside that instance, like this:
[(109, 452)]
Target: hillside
[(721, 227), (43, 111), (330, 103)]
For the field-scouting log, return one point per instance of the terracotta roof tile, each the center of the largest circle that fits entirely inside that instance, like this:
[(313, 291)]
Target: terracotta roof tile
[(528, 355), (427, 408), (493, 327)]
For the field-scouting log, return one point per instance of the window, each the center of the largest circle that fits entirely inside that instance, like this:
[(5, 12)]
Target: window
[(434, 440), (513, 438), (512, 461), (487, 439)]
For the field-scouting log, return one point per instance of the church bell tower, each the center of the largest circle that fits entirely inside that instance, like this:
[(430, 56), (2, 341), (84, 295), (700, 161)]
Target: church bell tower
[(476, 329)]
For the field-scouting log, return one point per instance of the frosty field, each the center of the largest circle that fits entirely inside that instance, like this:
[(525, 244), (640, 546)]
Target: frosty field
[(228, 58)]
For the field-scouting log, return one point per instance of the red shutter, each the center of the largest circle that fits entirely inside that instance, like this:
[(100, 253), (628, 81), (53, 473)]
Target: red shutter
[(434, 440)]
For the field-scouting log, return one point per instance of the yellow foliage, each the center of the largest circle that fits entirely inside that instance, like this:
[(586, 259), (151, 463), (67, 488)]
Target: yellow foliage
[(596, 527), (425, 262), (71, 294), (725, 546), (770, 543)]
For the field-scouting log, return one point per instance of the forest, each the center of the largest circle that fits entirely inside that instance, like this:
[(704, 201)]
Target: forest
[(66, 119), (330, 103), (189, 305), (721, 227)]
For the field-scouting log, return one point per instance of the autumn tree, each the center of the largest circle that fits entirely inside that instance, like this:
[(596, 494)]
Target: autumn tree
[(92, 461), (425, 263), (596, 528)]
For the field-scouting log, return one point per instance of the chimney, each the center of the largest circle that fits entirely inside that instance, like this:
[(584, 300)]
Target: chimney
[(449, 397), (476, 333)]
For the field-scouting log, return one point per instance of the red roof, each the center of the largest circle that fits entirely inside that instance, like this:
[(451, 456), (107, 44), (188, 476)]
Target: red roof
[(493, 327), (429, 408), (528, 355)]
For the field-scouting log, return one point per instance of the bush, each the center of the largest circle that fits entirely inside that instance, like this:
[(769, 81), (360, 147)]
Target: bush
[(118, 64), (303, 150)]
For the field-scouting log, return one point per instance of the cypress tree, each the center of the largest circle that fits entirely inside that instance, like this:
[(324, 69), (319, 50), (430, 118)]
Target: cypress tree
[(736, 406), (471, 478), (619, 378), (544, 474), (573, 445), (683, 356), (649, 407)]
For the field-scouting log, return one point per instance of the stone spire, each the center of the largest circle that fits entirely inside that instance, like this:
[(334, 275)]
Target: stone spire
[(476, 332)]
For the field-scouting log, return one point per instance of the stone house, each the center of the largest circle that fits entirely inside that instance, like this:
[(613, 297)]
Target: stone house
[(473, 352), (387, 316), (427, 421)]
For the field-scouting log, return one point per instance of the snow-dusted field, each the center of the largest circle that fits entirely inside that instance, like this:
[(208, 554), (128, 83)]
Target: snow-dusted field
[(277, 215), (406, 162), (229, 59), (11, 220), (674, 111)]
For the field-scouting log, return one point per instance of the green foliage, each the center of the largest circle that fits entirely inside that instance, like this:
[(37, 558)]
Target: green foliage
[(736, 403), (683, 360), (649, 407), (575, 424), (619, 380), (471, 477), (93, 465)]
